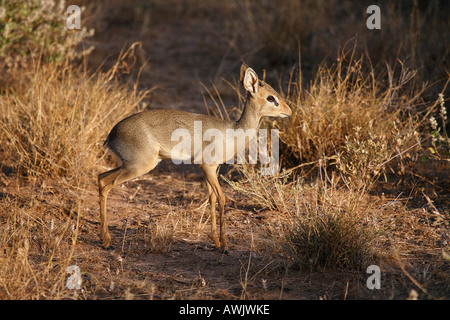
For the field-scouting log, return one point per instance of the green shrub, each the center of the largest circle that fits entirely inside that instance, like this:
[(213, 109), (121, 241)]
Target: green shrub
[(35, 31)]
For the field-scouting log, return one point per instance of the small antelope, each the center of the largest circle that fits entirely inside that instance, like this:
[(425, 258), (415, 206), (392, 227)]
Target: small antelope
[(145, 138)]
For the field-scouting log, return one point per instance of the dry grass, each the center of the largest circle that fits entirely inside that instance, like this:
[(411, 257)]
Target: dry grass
[(331, 229), (52, 127), (56, 129), (51, 131), (37, 245), (327, 224), (345, 107), (349, 128)]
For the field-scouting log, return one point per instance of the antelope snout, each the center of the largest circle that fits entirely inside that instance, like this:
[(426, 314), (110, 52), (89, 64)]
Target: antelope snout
[(287, 112)]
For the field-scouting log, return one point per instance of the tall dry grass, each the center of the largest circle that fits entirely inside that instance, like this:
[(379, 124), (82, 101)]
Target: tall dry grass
[(54, 111), (54, 117), (353, 119), (325, 224), (36, 247), (53, 126), (351, 127)]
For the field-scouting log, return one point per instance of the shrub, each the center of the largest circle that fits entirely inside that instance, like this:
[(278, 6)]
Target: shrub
[(35, 31), (330, 230), (440, 139)]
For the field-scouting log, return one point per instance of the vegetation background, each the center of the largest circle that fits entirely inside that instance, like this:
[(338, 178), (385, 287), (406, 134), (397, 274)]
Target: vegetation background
[(365, 157)]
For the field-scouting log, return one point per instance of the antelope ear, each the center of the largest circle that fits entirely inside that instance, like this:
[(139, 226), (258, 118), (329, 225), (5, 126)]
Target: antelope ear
[(242, 73), (250, 80)]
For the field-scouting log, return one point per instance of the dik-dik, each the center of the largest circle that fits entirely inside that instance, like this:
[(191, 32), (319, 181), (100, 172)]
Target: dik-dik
[(145, 138)]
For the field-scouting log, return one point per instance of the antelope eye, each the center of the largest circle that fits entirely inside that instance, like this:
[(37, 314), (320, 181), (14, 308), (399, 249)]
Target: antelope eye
[(270, 99)]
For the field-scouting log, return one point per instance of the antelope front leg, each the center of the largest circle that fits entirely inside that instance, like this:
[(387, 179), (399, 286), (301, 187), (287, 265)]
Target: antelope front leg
[(223, 236), (210, 172)]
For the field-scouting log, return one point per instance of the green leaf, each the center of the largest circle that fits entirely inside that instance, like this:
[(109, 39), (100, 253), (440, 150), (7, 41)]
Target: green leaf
[(424, 159)]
